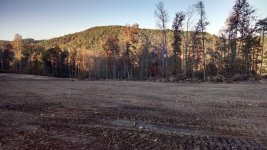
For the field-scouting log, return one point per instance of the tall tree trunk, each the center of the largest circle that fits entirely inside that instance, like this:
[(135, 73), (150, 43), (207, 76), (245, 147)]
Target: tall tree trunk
[(165, 54), (253, 60), (124, 68), (20, 65), (98, 64), (262, 52), (114, 65), (69, 63), (106, 67), (90, 71), (193, 60), (162, 64), (95, 63), (186, 49), (204, 54), (142, 67), (146, 68), (2, 62), (234, 53), (78, 71)]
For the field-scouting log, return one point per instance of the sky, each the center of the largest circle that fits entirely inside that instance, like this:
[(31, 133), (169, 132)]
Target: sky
[(45, 19)]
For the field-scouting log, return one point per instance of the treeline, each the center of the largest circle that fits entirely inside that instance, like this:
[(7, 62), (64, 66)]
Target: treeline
[(128, 52)]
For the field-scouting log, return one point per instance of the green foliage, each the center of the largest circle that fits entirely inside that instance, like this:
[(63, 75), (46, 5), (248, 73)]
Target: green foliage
[(134, 54), (177, 43)]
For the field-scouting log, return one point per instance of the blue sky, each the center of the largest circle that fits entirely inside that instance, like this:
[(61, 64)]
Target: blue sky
[(44, 19)]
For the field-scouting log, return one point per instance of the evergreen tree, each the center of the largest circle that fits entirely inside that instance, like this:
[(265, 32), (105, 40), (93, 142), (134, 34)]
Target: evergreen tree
[(177, 35), (202, 24)]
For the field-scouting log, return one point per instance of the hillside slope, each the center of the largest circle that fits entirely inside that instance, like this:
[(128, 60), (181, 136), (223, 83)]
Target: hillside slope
[(94, 37)]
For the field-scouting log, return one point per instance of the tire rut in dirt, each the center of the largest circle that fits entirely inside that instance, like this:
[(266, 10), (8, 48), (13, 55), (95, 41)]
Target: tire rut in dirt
[(31, 107), (123, 137)]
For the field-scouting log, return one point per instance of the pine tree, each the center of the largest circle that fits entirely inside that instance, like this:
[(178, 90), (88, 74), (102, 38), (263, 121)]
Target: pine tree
[(202, 23), (177, 35)]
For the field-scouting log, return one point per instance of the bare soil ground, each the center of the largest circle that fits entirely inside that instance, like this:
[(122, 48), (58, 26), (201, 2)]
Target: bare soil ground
[(49, 113)]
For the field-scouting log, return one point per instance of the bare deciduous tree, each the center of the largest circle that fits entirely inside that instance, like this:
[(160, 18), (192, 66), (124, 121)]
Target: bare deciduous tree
[(162, 16), (17, 45)]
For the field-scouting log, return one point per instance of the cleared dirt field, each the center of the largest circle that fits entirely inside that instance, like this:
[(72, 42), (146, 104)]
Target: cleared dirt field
[(50, 113)]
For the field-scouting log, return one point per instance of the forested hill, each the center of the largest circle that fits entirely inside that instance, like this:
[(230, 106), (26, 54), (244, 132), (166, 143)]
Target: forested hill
[(126, 52), (129, 52), (88, 39), (93, 38)]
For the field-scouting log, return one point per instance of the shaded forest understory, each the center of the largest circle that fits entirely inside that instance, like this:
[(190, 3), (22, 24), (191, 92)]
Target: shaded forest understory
[(127, 52)]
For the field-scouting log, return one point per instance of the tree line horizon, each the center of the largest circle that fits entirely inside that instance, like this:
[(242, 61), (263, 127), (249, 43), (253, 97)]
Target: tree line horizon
[(128, 52)]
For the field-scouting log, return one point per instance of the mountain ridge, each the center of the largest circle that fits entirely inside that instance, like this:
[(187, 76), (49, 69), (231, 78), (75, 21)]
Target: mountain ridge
[(93, 37)]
